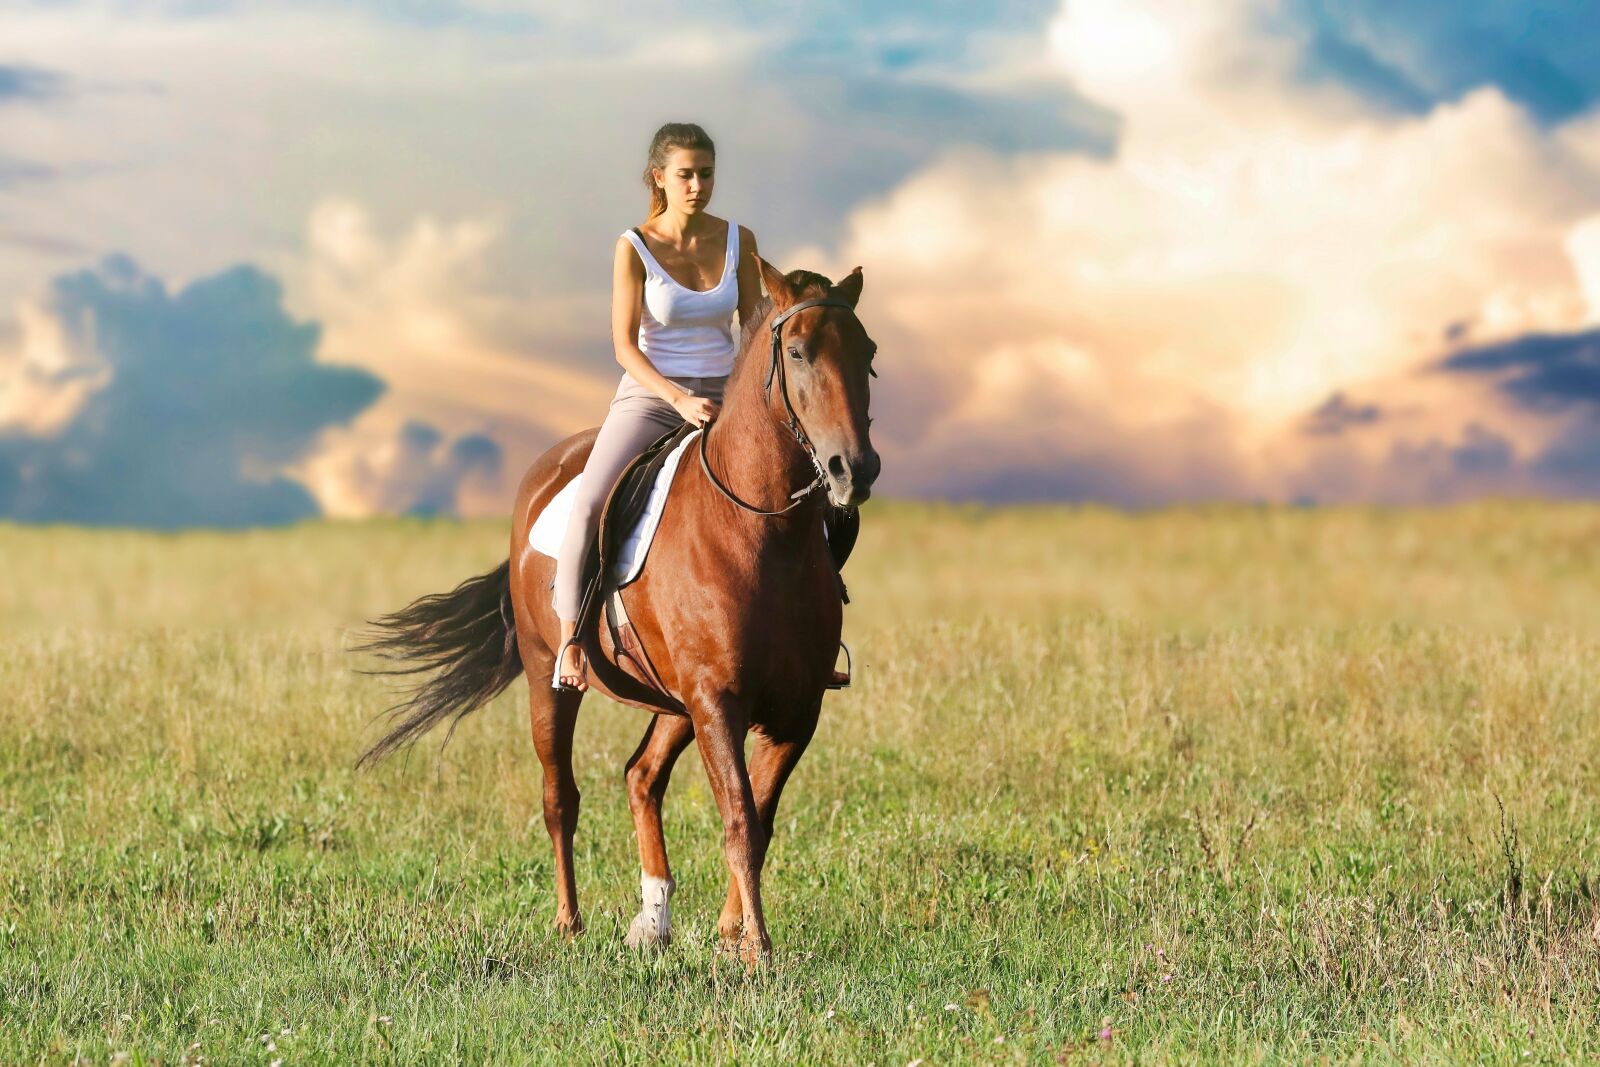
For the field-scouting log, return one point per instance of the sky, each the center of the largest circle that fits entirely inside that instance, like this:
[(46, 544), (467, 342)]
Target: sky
[(264, 262)]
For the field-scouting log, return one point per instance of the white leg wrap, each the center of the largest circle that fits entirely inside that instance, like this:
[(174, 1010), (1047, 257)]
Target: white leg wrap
[(653, 924)]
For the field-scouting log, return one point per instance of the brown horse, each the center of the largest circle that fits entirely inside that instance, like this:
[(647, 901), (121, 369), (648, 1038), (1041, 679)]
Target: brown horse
[(738, 608)]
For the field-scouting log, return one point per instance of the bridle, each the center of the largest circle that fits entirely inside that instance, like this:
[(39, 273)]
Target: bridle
[(797, 497)]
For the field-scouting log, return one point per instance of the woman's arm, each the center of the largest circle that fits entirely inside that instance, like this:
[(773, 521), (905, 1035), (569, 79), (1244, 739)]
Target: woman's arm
[(627, 301)]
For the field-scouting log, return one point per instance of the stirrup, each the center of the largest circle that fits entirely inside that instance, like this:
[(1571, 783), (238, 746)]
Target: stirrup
[(849, 669), (555, 679)]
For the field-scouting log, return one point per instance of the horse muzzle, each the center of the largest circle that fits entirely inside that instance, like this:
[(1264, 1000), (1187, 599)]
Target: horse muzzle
[(850, 477)]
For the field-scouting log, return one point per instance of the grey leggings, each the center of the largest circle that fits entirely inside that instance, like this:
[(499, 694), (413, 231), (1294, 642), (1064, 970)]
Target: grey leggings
[(636, 418)]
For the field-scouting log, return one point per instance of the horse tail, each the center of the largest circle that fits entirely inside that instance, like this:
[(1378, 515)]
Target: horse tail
[(469, 632)]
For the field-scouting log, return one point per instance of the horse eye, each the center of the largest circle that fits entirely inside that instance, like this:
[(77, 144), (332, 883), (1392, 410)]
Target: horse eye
[(794, 353)]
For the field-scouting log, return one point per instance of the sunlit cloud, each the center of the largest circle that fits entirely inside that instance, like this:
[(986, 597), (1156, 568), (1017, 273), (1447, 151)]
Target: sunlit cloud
[(1255, 246), (1130, 250), (415, 311)]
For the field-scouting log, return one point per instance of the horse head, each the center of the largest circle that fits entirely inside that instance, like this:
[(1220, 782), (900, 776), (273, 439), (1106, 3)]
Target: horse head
[(821, 358)]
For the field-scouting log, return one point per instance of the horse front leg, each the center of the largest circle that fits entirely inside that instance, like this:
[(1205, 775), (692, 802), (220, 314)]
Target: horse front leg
[(771, 761), (720, 725)]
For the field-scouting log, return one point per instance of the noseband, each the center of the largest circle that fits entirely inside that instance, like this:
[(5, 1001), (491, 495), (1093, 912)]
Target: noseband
[(797, 497)]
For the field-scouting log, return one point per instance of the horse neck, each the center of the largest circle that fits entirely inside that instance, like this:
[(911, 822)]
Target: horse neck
[(755, 454)]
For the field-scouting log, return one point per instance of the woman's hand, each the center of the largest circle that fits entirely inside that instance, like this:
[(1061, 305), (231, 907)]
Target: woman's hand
[(696, 409)]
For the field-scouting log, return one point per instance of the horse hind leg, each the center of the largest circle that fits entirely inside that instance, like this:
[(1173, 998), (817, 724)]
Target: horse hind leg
[(648, 771), (553, 716)]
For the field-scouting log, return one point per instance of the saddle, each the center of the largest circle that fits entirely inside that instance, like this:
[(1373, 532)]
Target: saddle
[(602, 597)]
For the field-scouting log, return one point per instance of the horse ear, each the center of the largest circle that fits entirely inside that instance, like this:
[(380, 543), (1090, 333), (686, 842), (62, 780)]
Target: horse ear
[(776, 284), (850, 288)]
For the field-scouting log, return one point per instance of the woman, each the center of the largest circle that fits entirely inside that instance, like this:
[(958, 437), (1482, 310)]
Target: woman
[(675, 284)]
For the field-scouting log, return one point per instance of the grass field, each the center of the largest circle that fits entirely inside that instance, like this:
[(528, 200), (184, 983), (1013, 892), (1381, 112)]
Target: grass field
[(1231, 784)]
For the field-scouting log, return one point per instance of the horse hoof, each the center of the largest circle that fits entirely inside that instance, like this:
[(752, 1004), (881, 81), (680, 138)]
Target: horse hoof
[(569, 928), (644, 933), (747, 950)]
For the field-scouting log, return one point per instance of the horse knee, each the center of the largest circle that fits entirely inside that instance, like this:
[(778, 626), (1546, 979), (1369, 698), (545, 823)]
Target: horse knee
[(638, 779), (645, 784), (561, 800), (743, 834)]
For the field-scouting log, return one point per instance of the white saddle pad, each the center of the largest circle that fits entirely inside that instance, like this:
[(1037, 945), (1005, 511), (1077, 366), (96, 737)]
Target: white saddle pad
[(551, 525)]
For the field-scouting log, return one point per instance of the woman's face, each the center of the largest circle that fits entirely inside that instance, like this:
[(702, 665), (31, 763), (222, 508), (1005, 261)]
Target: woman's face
[(687, 179)]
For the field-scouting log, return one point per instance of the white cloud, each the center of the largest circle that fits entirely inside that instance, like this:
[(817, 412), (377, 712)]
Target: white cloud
[(416, 311), (1164, 317), (1254, 245), (47, 376)]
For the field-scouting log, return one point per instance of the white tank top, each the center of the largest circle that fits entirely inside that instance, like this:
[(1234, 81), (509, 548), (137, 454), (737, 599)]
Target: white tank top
[(684, 332)]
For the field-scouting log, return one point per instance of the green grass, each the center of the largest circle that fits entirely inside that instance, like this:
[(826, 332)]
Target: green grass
[(1226, 783)]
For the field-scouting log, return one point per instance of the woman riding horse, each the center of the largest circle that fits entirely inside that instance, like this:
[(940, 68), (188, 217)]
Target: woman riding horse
[(739, 607)]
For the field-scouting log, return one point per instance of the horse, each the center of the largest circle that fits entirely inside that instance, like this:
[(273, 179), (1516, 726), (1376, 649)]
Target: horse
[(738, 607)]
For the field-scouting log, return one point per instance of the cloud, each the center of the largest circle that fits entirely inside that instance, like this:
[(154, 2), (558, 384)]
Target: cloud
[(536, 116), (1557, 377), (1338, 413), (1542, 371), (1256, 245), (129, 404), (1327, 55), (1412, 52), (413, 473), (15, 172), (1122, 249), (415, 310), (1481, 450), (29, 83), (121, 402)]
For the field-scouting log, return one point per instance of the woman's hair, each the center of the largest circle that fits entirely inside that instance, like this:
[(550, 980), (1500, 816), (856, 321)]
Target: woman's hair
[(670, 136)]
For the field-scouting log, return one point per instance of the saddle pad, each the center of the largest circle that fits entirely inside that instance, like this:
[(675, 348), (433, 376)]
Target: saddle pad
[(551, 524)]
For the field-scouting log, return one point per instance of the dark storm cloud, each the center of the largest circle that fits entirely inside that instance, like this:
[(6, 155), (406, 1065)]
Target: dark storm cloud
[(1409, 54), (1554, 374), (1542, 371), (1337, 414), (209, 392)]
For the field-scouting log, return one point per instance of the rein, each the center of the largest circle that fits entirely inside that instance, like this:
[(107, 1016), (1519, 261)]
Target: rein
[(797, 497)]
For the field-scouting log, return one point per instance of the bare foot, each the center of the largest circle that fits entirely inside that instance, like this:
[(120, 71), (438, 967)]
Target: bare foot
[(574, 671)]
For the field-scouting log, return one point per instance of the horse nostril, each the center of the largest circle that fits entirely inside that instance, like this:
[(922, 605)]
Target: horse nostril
[(837, 468)]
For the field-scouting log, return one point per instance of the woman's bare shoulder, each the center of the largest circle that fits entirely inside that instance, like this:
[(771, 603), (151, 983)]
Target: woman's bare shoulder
[(626, 253)]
